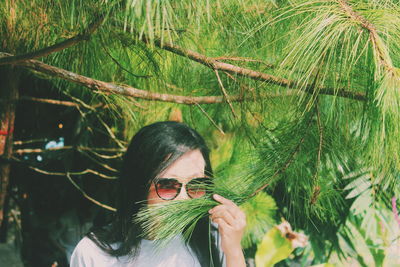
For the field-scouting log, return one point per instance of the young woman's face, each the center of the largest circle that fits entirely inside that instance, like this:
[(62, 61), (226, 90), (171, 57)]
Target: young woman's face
[(190, 165)]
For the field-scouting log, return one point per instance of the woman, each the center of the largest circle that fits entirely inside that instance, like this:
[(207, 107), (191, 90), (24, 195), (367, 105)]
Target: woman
[(164, 161)]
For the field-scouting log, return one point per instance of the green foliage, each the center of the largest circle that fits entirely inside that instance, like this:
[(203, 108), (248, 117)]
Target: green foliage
[(371, 232), (318, 153), (352, 45)]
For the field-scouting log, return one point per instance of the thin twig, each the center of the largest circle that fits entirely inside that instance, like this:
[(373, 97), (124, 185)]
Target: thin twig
[(87, 196), (40, 150), (87, 171), (105, 166), (316, 188), (49, 101), (23, 142), (119, 155), (208, 117), (320, 131), (81, 103), (221, 85), (119, 64), (110, 132)]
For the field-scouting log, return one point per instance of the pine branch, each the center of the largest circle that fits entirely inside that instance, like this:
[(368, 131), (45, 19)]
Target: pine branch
[(384, 59), (252, 74), (386, 112), (84, 35), (128, 90), (287, 163)]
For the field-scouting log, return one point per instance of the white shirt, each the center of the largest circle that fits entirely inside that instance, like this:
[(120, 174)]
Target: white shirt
[(175, 253)]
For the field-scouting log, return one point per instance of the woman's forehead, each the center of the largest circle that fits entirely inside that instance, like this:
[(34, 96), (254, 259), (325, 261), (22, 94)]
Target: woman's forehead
[(189, 165)]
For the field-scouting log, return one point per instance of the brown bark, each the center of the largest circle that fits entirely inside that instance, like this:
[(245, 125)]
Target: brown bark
[(9, 95)]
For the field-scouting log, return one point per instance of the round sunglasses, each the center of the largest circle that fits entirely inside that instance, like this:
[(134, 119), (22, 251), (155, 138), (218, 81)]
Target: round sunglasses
[(169, 188)]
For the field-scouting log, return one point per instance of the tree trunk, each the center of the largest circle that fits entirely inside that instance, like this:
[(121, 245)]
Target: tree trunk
[(8, 100)]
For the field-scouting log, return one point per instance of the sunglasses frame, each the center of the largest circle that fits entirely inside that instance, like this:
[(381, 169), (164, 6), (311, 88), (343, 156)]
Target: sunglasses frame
[(178, 191)]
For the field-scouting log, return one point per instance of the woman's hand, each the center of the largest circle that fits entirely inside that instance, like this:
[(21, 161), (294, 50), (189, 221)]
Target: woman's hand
[(231, 223)]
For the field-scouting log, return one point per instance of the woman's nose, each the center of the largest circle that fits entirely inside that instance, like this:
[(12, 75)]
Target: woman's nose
[(183, 194)]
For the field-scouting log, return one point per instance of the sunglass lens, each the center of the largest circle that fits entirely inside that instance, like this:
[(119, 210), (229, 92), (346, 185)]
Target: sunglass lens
[(168, 188), (197, 187)]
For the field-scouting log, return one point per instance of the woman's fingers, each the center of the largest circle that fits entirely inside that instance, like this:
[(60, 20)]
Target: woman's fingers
[(229, 212), (225, 215), (222, 224), (223, 200), (231, 224), (235, 212), (230, 205)]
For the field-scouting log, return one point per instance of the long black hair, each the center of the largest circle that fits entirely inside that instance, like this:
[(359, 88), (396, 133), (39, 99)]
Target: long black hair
[(152, 150)]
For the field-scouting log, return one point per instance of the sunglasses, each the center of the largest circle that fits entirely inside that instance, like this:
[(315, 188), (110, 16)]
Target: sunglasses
[(169, 188)]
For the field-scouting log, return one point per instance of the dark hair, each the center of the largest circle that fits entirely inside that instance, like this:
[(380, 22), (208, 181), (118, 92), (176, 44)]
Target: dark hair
[(152, 150)]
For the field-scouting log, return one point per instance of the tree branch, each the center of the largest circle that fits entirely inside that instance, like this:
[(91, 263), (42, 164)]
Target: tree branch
[(244, 59), (252, 74), (125, 89), (78, 148), (50, 101), (383, 55), (84, 35)]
